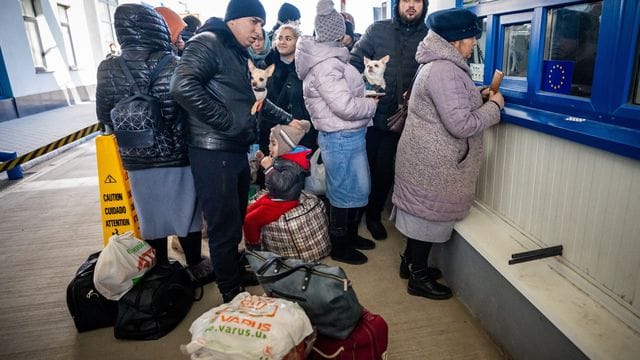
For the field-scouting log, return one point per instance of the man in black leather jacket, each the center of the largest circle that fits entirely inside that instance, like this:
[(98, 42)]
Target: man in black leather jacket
[(212, 83), (399, 38)]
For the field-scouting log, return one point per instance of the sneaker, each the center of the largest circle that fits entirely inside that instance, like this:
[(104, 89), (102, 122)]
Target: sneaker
[(376, 229)]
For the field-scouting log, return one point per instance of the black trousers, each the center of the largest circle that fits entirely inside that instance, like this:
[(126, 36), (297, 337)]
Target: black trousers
[(381, 152), (222, 186)]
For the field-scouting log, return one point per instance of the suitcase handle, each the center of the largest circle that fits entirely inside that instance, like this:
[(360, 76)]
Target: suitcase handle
[(329, 356)]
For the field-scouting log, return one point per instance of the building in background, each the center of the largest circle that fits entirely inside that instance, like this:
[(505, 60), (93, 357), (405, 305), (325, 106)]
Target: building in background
[(49, 52)]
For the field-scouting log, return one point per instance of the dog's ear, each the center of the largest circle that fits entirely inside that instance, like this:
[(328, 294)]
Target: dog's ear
[(385, 59), (269, 69), (366, 61), (251, 66)]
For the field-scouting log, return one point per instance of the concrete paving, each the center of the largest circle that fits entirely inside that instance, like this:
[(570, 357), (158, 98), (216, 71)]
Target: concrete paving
[(28, 133), (51, 223)]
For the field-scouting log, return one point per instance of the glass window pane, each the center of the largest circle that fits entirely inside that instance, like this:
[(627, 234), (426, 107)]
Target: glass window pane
[(571, 42), (476, 61), (636, 98), (27, 8), (62, 14), (103, 12), (515, 58), (34, 42), (68, 46)]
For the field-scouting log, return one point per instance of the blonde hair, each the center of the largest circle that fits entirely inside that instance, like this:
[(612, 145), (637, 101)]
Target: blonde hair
[(289, 26)]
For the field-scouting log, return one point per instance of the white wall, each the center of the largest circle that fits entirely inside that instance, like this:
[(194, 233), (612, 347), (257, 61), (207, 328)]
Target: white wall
[(558, 192), (17, 55)]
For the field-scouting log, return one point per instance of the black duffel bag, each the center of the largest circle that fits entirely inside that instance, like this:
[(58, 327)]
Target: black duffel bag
[(88, 308), (157, 304)]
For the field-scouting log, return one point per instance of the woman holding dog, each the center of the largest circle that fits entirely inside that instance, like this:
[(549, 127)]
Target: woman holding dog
[(334, 95), (285, 88), (440, 150)]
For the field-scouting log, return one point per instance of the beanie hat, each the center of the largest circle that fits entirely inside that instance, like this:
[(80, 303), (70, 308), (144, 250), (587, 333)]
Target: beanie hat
[(288, 136), (193, 23), (454, 24), (329, 24), (245, 8), (174, 22), (288, 13), (349, 29)]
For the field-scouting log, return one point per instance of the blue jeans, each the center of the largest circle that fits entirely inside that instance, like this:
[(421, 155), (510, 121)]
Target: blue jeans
[(344, 155)]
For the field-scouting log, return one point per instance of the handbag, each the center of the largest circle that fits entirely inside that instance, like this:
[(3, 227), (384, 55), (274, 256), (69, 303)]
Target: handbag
[(396, 121), (301, 233), (324, 292), (315, 183), (156, 304), (87, 307)]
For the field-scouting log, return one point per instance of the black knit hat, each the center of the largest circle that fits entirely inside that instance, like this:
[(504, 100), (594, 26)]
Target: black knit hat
[(287, 13), (193, 23), (245, 8), (454, 24)]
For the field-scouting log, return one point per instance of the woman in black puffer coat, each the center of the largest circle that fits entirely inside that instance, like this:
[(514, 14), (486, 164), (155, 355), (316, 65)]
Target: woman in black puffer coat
[(161, 180)]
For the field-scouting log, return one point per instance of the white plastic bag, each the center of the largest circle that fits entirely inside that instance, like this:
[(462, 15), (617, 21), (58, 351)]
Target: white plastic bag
[(121, 264), (315, 182), (249, 327)]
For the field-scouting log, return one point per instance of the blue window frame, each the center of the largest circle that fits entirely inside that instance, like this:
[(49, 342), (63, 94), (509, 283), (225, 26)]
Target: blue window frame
[(608, 117)]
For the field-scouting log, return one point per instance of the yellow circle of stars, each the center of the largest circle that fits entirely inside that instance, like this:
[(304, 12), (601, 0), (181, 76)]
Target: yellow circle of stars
[(560, 68)]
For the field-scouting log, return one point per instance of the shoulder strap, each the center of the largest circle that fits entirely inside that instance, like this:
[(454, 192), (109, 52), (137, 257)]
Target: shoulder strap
[(411, 83), (127, 73), (152, 77), (156, 70)]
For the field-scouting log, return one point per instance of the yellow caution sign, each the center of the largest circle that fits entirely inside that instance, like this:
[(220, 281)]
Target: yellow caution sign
[(116, 203)]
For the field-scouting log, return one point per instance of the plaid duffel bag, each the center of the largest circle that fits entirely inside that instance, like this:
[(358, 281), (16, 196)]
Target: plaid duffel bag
[(300, 233)]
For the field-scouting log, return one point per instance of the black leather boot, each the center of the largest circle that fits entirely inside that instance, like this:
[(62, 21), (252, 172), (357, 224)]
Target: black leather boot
[(433, 273), (420, 284), (228, 296), (342, 248)]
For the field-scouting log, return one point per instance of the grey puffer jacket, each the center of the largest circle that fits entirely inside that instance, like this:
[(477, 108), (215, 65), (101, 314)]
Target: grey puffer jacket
[(144, 40), (333, 89), (440, 150), (399, 40)]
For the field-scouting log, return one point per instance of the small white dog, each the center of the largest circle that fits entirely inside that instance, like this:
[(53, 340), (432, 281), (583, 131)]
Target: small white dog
[(374, 72), (259, 78)]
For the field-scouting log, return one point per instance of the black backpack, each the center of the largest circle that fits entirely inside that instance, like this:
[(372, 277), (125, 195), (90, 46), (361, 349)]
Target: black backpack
[(137, 118), (156, 304), (89, 309)]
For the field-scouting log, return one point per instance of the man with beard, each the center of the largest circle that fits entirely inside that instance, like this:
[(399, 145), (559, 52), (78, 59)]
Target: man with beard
[(399, 38)]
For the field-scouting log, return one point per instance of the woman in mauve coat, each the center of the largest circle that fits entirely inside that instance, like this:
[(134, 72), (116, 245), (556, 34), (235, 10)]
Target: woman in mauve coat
[(440, 150)]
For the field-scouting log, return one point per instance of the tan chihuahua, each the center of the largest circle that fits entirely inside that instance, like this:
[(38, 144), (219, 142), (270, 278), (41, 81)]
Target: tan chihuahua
[(374, 72), (259, 78)]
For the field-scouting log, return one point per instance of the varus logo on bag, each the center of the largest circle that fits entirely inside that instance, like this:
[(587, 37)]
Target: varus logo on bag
[(146, 258)]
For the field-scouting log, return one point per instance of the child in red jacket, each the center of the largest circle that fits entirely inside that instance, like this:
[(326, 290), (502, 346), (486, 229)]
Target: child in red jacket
[(284, 169)]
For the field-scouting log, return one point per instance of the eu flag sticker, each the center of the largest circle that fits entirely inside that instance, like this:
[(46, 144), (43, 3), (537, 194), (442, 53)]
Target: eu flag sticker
[(556, 76)]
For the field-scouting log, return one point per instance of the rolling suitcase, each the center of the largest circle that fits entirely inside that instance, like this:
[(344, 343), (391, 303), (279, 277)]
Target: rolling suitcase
[(368, 341)]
